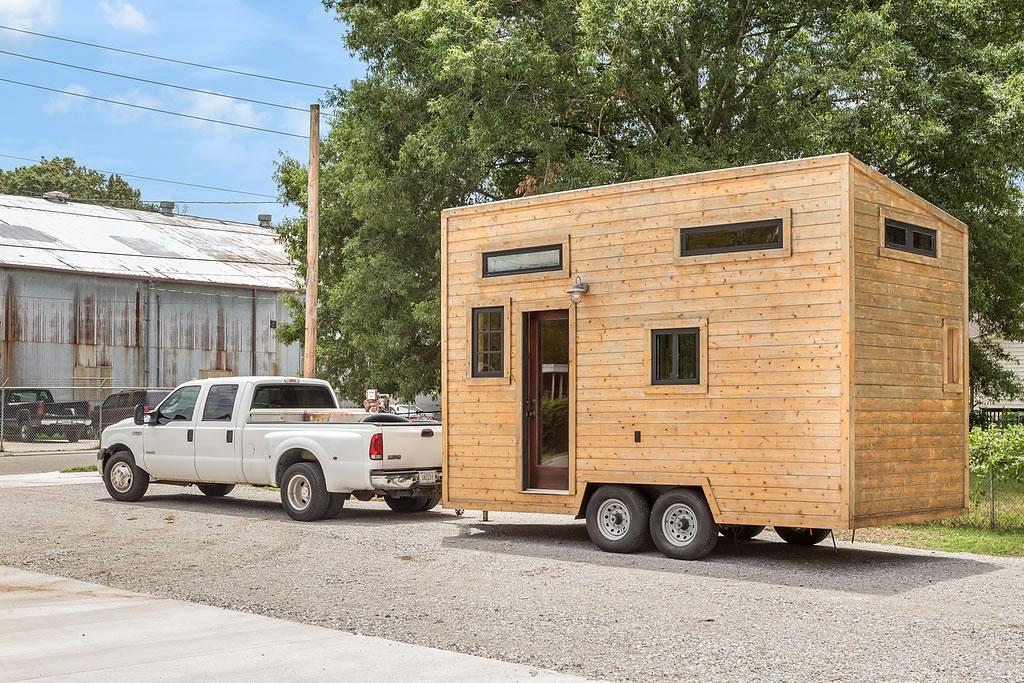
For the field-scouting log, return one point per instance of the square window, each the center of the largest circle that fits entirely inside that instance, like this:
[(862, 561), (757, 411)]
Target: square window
[(675, 356)]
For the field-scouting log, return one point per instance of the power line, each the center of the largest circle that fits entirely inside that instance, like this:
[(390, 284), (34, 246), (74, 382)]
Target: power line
[(152, 82), (159, 111), (156, 180), (168, 59)]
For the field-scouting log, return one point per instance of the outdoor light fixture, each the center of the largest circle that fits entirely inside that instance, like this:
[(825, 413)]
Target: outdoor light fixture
[(578, 289)]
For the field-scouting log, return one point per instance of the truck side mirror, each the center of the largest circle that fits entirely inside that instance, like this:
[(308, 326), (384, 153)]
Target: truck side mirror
[(140, 414)]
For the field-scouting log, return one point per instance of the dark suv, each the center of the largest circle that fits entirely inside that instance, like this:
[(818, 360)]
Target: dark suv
[(121, 405)]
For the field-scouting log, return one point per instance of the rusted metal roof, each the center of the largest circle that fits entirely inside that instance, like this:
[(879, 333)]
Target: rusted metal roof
[(36, 233)]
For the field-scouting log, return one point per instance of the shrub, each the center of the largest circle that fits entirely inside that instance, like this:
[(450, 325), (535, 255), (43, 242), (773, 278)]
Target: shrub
[(999, 450)]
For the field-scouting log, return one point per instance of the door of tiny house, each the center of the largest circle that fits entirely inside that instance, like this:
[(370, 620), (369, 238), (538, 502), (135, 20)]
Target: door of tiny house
[(546, 399)]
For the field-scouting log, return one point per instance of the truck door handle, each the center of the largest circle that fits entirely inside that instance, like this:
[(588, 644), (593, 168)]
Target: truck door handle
[(427, 432), (230, 436), (188, 436)]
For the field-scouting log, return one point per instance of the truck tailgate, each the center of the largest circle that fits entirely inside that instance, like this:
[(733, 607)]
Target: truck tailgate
[(410, 446)]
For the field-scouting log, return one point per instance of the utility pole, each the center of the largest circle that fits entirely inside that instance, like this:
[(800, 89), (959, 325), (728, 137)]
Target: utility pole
[(312, 242)]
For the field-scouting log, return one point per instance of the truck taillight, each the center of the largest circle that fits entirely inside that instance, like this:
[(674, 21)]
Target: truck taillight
[(377, 446), (39, 408)]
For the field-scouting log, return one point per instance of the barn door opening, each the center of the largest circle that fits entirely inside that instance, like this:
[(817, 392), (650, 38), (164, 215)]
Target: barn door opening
[(546, 402)]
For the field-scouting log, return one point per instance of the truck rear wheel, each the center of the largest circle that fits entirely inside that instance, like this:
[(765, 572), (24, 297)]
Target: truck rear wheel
[(26, 432), (682, 525), (431, 502), (336, 504), (123, 479), (741, 532), (617, 519), (215, 490), (407, 504), (73, 434), (304, 492), (798, 536)]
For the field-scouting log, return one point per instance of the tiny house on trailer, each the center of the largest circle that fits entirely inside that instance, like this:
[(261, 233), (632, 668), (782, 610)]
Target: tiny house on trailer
[(781, 344)]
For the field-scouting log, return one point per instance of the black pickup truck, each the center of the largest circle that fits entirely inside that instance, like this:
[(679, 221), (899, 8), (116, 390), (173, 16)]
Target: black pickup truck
[(28, 412)]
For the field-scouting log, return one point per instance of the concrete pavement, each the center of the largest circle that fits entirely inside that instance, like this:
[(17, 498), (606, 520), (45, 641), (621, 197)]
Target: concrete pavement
[(61, 629), (19, 463)]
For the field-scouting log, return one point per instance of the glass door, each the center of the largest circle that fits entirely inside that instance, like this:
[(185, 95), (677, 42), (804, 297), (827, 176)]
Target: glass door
[(546, 402)]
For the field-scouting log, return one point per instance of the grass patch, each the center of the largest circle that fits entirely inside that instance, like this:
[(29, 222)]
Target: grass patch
[(80, 468), (939, 536)]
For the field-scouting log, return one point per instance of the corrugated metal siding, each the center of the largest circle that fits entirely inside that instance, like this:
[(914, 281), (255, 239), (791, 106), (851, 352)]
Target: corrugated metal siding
[(152, 334)]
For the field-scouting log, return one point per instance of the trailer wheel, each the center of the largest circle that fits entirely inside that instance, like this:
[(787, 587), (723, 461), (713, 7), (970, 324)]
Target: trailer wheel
[(124, 480), (336, 504), (617, 519), (741, 532), (304, 492), (682, 525), (798, 536), (215, 490)]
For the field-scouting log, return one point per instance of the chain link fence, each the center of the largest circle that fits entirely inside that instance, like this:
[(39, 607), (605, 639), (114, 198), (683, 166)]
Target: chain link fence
[(41, 417), (997, 471)]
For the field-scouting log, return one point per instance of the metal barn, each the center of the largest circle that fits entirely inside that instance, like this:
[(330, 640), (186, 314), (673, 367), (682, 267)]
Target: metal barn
[(97, 297)]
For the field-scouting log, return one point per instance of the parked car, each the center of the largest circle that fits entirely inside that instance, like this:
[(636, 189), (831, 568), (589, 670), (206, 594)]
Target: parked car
[(274, 431), (121, 405), (28, 412)]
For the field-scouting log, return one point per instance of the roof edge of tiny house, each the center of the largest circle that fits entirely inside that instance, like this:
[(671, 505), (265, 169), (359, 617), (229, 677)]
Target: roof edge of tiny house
[(700, 177)]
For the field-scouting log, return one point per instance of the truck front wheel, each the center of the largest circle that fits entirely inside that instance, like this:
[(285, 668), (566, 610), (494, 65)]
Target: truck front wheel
[(617, 519), (304, 492), (123, 479), (26, 432), (682, 525)]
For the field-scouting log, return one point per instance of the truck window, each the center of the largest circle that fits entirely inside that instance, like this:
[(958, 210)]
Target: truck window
[(181, 404), (219, 402), (109, 402), (292, 396)]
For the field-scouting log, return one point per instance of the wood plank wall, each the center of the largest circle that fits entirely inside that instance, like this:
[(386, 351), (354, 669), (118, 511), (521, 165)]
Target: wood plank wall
[(765, 431), (910, 431)]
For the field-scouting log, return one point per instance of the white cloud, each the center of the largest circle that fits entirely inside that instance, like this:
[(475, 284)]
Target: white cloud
[(221, 109), (121, 114), (121, 14), (31, 15), (62, 103)]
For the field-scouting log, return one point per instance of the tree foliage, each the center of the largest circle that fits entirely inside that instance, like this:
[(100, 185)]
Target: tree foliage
[(467, 101), (83, 185)]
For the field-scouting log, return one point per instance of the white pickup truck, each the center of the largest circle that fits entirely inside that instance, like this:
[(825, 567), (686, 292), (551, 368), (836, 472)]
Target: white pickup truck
[(274, 431)]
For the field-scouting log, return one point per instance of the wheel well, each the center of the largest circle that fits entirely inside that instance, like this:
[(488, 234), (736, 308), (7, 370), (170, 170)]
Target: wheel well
[(288, 459), (649, 491), (109, 453)]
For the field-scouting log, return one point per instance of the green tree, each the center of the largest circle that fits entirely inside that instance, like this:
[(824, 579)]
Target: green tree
[(472, 101), (83, 185)]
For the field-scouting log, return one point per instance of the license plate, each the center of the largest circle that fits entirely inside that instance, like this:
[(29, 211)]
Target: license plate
[(427, 477), (67, 422)]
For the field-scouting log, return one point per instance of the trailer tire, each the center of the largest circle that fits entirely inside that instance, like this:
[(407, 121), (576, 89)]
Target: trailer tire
[(336, 504), (617, 519), (123, 479), (304, 492), (407, 504), (682, 525), (740, 532), (215, 490), (799, 536), (26, 432)]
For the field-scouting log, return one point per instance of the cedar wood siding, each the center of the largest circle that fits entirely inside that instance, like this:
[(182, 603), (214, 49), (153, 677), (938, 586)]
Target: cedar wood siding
[(765, 434), (910, 429)]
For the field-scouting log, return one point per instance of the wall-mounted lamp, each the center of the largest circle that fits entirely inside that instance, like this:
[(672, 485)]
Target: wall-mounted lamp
[(578, 289)]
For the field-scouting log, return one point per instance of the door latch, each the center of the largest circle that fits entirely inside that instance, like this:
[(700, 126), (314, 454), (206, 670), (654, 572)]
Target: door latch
[(189, 435), (230, 436)]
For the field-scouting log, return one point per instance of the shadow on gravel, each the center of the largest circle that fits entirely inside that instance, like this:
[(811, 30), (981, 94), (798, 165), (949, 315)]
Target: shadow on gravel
[(270, 509), (852, 570)]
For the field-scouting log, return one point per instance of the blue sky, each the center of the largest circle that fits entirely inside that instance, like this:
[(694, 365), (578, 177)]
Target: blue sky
[(296, 40)]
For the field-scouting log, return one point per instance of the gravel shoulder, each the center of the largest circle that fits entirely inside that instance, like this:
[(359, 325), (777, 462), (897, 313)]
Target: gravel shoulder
[(531, 589)]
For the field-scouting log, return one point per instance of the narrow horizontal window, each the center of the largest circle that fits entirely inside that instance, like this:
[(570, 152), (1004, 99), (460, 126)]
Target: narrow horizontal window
[(525, 260), (489, 342), (909, 237), (675, 356), (746, 236)]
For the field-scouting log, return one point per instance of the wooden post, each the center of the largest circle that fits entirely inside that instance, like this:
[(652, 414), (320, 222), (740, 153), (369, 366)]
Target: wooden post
[(312, 242)]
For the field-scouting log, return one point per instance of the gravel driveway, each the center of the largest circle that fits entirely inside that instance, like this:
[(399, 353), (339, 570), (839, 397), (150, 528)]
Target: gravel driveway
[(531, 588)]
